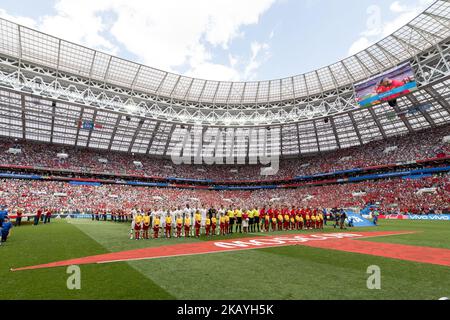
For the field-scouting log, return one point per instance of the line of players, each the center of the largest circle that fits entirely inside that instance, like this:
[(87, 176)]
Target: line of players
[(224, 222)]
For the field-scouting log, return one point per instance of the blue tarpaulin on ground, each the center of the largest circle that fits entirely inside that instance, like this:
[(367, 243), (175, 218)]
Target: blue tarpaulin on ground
[(358, 220)]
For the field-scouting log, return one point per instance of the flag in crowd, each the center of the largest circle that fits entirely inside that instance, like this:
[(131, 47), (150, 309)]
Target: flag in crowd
[(88, 125)]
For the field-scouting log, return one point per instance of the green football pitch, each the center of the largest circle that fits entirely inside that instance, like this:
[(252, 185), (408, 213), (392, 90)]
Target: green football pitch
[(291, 272)]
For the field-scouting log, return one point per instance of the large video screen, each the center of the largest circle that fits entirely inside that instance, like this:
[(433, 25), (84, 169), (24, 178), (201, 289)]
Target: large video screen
[(386, 87)]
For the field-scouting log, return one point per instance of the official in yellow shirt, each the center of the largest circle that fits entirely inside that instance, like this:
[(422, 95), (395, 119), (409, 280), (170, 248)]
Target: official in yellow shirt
[(251, 220), (257, 219), (238, 214), (231, 215)]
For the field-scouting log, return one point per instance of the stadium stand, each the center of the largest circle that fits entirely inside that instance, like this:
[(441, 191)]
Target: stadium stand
[(395, 195), (428, 144)]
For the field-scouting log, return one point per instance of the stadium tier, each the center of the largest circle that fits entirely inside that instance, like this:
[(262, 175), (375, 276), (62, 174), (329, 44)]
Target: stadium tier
[(409, 149), (55, 91), (415, 196)]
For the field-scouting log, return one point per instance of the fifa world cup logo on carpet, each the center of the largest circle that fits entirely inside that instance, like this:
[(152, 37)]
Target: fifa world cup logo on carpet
[(230, 146)]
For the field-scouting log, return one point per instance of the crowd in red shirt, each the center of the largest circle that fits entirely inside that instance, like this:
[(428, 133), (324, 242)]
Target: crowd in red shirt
[(393, 196), (422, 145)]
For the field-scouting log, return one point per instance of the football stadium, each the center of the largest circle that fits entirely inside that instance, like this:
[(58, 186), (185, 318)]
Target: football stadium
[(120, 181)]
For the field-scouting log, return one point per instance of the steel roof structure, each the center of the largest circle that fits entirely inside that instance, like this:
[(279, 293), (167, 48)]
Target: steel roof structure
[(49, 85)]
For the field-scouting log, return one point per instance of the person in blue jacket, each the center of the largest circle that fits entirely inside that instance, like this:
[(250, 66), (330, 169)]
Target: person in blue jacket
[(350, 222), (5, 229), (3, 214), (375, 218)]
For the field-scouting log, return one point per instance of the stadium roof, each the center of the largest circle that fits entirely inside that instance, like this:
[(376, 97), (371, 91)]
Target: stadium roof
[(427, 29), (137, 108)]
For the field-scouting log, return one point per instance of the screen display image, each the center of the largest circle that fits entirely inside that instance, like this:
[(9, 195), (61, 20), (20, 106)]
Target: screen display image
[(386, 87)]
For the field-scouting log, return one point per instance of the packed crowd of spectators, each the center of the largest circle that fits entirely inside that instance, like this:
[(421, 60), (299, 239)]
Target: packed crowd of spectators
[(422, 145), (418, 196)]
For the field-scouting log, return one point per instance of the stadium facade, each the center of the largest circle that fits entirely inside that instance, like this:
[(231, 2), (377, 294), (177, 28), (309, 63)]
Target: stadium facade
[(52, 90)]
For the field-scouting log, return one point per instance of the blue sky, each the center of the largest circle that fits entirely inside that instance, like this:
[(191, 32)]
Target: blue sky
[(220, 39)]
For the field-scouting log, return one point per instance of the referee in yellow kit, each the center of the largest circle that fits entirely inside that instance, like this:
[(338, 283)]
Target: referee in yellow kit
[(238, 214), (232, 220)]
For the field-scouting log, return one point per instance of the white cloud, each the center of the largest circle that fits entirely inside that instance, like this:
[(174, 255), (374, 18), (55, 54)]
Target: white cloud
[(166, 34), (172, 33), (73, 22), (209, 70), (79, 23), (25, 21), (233, 60), (381, 29), (359, 45), (260, 54), (396, 6), (272, 34)]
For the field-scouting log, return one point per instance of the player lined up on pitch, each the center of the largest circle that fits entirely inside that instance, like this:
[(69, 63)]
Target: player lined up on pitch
[(192, 223)]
